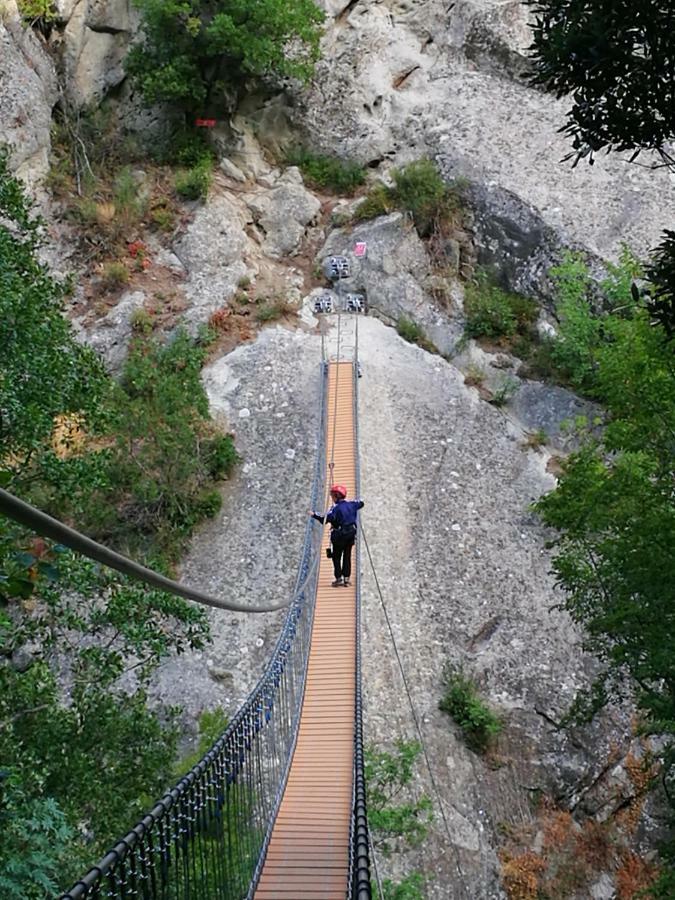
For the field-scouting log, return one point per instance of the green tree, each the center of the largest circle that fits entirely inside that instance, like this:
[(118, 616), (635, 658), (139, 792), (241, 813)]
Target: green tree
[(44, 372), (196, 53), (615, 515), (615, 58)]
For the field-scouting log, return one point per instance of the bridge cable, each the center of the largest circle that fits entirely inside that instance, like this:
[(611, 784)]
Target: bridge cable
[(412, 708), (39, 522)]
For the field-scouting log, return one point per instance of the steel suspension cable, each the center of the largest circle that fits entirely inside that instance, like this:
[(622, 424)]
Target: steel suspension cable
[(45, 525), (412, 707)]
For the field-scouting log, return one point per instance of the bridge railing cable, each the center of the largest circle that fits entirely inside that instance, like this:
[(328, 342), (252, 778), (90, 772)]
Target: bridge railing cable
[(204, 838), (359, 881)]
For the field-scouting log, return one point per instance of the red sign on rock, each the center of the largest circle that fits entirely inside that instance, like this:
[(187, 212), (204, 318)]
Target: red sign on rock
[(205, 123)]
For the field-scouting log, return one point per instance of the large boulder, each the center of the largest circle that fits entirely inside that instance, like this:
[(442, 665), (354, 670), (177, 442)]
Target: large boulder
[(28, 92), (396, 276), (97, 38), (212, 252), (284, 213)]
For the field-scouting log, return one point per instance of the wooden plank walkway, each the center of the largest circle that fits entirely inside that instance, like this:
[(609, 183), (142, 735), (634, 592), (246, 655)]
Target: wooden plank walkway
[(308, 855)]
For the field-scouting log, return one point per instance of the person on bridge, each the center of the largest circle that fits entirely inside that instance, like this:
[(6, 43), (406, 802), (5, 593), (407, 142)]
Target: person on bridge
[(342, 517)]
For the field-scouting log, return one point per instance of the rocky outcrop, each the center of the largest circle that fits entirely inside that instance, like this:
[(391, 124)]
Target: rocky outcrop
[(28, 92), (396, 277), (284, 213), (212, 252), (96, 39), (402, 79)]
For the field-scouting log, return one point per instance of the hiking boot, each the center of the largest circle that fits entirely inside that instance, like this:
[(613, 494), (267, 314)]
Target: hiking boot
[(347, 582), (336, 583)]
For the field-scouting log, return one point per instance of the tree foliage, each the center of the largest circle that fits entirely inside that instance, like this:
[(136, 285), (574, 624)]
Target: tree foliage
[(44, 372), (614, 510), (197, 52), (616, 58), (134, 463)]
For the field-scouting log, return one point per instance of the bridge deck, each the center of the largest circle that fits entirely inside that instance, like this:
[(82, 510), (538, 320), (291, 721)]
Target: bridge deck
[(308, 855)]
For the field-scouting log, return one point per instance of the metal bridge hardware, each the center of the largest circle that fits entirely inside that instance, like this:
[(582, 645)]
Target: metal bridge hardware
[(323, 304), (336, 267)]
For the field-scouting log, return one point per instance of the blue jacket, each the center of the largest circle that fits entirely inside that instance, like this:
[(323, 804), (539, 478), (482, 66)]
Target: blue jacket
[(342, 513)]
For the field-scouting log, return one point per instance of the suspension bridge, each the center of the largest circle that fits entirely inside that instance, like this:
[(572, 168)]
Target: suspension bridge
[(277, 807)]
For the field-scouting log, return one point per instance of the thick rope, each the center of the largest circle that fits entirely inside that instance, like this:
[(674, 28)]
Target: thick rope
[(43, 524)]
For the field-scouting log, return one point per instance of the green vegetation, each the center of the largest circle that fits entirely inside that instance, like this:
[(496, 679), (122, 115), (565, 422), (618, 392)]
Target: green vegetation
[(613, 507), (409, 888), (613, 71), (135, 464), (505, 390), (114, 275), (394, 824), (337, 175), (194, 183), (461, 700), (272, 308), (493, 313), (37, 10), (419, 190), (196, 56), (410, 331), (212, 723)]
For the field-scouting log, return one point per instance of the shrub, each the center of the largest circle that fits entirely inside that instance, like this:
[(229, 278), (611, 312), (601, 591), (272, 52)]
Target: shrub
[(410, 331), (128, 203), (220, 456), (379, 201), (419, 189), (141, 321), (272, 309), (194, 183), (37, 10), (494, 313), (535, 439), (194, 53), (115, 275), (475, 376), (461, 700), (340, 176), (387, 774), (506, 389), (163, 216)]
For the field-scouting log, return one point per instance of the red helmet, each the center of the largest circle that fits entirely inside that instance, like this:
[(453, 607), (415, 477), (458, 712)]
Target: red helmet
[(339, 490)]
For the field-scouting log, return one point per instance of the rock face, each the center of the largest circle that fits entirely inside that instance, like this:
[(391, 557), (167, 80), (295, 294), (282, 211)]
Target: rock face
[(284, 213), (212, 252), (393, 276), (27, 94), (461, 563), (113, 332), (402, 79), (96, 39)]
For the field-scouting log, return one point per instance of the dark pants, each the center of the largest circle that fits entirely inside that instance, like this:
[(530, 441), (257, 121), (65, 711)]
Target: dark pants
[(342, 557)]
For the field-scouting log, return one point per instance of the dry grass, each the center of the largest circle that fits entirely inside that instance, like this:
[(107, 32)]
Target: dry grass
[(634, 876), (520, 875)]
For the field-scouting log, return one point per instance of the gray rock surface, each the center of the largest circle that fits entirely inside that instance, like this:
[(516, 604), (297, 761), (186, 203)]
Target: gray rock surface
[(250, 551), (284, 213), (402, 79), (393, 274), (28, 91), (96, 39), (112, 333), (212, 253)]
